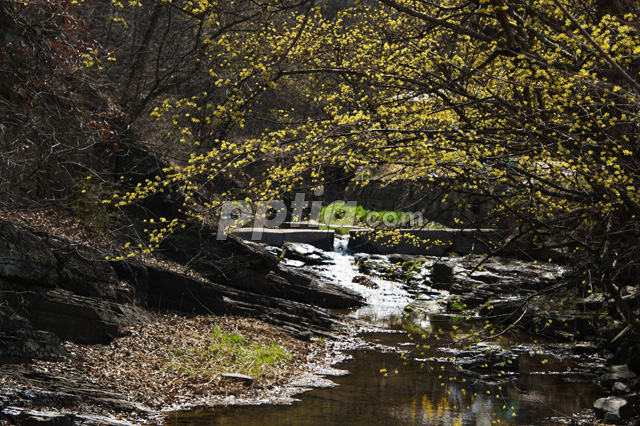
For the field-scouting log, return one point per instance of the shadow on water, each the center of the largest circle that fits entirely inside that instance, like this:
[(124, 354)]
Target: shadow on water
[(426, 390)]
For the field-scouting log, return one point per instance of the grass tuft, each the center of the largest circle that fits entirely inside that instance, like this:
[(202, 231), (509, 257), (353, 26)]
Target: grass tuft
[(228, 352)]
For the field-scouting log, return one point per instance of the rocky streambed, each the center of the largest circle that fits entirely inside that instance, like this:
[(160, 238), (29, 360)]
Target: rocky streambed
[(496, 312), (493, 323)]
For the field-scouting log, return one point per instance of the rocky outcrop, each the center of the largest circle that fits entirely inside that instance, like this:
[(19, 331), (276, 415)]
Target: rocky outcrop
[(534, 296), (493, 278), (55, 289), (54, 390), (248, 266), (177, 292), (498, 289)]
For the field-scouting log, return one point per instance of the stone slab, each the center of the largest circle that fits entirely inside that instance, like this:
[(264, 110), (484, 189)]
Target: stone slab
[(322, 239)]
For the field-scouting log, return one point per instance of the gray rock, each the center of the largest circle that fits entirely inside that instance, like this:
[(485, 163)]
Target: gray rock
[(503, 308), (306, 253), (617, 373), (497, 282), (485, 276), (609, 408), (620, 388), (306, 287), (293, 263)]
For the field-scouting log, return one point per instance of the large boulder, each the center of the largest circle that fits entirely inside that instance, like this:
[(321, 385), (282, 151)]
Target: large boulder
[(612, 409)]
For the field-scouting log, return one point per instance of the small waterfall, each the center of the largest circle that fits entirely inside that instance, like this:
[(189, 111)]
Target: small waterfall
[(340, 244), (384, 303)]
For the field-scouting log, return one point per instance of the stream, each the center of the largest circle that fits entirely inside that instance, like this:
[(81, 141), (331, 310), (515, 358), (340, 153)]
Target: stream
[(404, 374)]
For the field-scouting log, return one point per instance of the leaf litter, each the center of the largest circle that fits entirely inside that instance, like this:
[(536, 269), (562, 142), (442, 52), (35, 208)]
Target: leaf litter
[(144, 365)]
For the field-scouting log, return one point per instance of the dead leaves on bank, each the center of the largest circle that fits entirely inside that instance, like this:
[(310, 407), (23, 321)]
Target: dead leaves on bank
[(142, 365)]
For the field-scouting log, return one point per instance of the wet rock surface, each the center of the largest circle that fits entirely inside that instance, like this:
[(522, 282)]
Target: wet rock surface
[(306, 253), (364, 281), (378, 266), (486, 361), (413, 272)]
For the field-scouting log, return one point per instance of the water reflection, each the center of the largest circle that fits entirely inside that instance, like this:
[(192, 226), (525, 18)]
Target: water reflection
[(481, 412), (416, 393)]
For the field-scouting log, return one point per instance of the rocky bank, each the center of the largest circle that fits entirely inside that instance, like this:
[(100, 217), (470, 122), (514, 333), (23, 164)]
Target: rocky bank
[(54, 290)]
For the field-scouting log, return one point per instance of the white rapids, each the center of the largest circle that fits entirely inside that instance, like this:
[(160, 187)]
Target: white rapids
[(386, 302)]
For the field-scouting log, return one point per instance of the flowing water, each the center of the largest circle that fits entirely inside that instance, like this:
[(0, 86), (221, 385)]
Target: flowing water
[(397, 381)]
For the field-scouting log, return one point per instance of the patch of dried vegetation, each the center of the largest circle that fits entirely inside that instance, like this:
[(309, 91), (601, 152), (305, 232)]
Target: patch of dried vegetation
[(142, 366)]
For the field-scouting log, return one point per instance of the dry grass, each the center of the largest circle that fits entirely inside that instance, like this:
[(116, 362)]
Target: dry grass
[(161, 364)]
